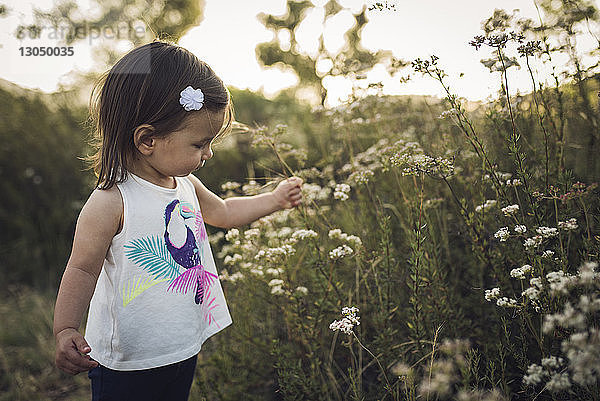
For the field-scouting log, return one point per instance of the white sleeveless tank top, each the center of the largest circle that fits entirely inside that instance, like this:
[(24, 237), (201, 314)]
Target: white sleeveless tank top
[(158, 296)]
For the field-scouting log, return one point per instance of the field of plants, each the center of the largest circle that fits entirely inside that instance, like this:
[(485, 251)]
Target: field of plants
[(444, 250)]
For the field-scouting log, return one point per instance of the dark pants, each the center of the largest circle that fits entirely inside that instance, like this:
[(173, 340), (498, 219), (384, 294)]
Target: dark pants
[(168, 383)]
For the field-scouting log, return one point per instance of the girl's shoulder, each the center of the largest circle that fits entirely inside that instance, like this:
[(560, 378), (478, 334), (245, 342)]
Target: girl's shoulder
[(105, 206)]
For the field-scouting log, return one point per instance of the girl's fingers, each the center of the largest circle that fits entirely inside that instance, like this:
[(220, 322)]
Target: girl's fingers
[(70, 368), (79, 361)]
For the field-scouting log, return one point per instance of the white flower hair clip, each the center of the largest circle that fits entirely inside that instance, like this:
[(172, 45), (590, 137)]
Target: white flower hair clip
[(191, 99)]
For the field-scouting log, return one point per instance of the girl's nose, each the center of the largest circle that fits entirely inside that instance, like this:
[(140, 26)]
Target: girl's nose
[(207, 155)]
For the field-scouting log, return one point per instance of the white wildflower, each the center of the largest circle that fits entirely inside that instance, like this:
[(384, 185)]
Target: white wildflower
[(488, 204), (510, 210), (361, 176), (231, 260), (533, 242), (303, 234), (232, 235), (559, 281), (520, 272), (275, 282), (547, 254), (314, 192), (552, 362), (586, 274), (340, 252), (236, 276), (568, 225), (344, 325), (257, 271), (342, 196), (532, 293), (535, 374), (277, 290), (520, 228), (448, 113), (284, 232), (302, 290), (337, 234), (274, 272), (353, 239), (547, 232), (230, 186), (492, 294), (558, 382), (347, 323), (251, 187), (506, 302), (341, 191), (270, 253), (502, 234), (252, 233)]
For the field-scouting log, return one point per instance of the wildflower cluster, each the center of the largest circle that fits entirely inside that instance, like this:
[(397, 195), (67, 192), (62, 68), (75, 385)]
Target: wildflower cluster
[(496, 40), (488, 204), (361, 176), (230, 186), (581, 347), (301, 235), (446, 371), (340, 252), (513, 183), (428, 67), (492, 294), (341, 191), (533, 242), (413, 164), (530, 48), (547, 232), (363, 167), (568, 225), (520, 229), (521, 272), (337, 234), (510, 210), (448, 113), (502, 234), (347, 323), (280, 251), (276, 286), (577, 190), (382, 6), (315, 192)]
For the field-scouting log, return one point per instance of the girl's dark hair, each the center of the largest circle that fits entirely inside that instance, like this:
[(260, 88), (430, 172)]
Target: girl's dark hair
[(144, 87)]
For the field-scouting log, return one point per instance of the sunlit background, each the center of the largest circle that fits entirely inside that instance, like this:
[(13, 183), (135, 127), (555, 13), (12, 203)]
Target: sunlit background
[(227, 37)]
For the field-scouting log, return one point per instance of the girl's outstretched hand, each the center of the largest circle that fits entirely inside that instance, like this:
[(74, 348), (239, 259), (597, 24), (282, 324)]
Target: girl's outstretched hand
[(288, 192)]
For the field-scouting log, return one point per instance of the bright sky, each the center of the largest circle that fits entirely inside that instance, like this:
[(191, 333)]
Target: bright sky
[(227, 37)]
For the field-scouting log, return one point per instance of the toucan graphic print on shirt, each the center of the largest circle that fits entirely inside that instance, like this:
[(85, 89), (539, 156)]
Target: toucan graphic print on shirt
[(181, 265)]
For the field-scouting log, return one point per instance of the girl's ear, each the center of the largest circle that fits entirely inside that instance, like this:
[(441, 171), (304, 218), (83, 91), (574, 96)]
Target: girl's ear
[(143, 139)]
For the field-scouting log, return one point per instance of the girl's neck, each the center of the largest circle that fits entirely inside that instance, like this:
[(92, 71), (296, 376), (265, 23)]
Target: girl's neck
[(149, 174)]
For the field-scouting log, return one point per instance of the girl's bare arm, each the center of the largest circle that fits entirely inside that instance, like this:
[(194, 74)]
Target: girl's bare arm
[(98, 222), (241, 210)]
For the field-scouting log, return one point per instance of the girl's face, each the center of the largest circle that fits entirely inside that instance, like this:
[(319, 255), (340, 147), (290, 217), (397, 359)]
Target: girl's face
[(185, 150)]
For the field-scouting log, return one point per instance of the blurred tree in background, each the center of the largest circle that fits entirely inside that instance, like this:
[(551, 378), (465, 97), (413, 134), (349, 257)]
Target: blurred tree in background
[(351, 61)]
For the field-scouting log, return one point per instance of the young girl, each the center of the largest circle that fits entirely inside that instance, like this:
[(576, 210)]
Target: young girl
[(141, 258)]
